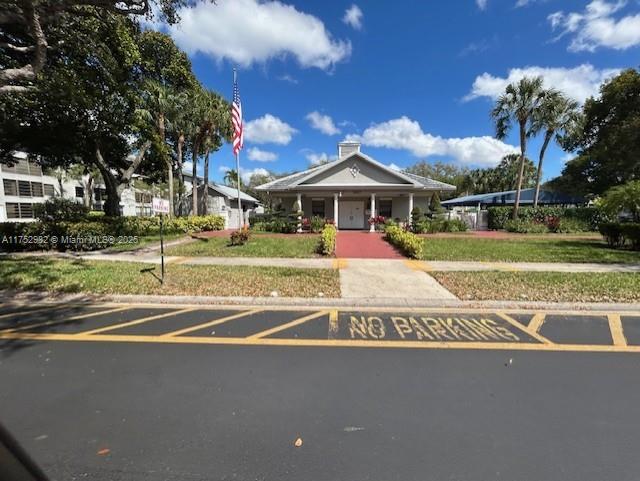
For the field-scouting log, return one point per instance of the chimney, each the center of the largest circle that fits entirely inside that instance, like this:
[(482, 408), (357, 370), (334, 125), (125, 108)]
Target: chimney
[(347, 148)]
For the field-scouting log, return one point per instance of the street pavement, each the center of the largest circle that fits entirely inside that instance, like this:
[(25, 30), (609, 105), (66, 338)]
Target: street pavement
[(112, 392)]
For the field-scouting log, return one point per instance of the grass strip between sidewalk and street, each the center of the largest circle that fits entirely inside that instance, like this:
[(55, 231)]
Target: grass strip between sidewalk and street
[(542, 286), (104, 277), (301, 246), (525, 250)]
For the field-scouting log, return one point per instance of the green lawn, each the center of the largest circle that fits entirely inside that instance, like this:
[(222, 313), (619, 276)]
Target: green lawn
[(104, 277), (525, 250), (144, 241), (258, 246), (542, 286)]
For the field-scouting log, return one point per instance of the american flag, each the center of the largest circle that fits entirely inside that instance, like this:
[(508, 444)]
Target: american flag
[(236, 117)]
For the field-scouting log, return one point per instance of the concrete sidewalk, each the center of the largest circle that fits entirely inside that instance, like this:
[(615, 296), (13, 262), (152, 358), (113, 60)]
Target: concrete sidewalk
[(368, 264)]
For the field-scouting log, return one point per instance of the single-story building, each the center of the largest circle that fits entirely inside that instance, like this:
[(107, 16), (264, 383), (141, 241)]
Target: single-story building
[(352, 189), (508, 198), (221, 200)]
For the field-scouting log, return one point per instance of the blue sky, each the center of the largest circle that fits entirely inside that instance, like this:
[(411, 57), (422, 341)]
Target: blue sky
[(411, 80)]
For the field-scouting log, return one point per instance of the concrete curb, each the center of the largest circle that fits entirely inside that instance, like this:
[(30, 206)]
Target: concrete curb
[(26, 297)]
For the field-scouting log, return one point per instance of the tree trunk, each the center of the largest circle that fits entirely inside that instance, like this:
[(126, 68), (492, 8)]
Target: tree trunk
[(88, 191), (180, 174), (112, 203), (168, 163), (205, 196), (523, 150), (194, 178), (27, 72), (547, 138)]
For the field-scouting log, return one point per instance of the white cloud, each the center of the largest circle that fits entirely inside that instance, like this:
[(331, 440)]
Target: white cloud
[(482, 4), (224, 168), (261, 155), (353, 17), (323, 123), (187, 168), (406, 134), (319, 158), (395, 166), (245, 174), (252, 31), (578, 83), (596, 27), (268, 129), (288, 78)]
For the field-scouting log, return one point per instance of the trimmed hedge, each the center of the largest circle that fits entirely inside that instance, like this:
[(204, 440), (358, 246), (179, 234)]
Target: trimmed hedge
[(409, 243), (327, 245), (618, 234), (522, 226), (434, 226), (95, 232), (587, 216)]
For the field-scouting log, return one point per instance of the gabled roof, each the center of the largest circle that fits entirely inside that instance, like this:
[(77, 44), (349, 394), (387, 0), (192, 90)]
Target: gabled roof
[(231, 192), (508, 198), (294, 180)]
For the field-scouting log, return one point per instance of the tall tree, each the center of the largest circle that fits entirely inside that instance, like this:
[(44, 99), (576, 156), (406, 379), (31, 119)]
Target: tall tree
[(231, 178), (26, 26), (556, 117), (161, 104), (607, 139), (519, 104)]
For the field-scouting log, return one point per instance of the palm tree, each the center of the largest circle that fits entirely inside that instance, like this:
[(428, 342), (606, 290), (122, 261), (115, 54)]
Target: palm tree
[(161, 105), (213, 119), (519, 104), (231, 178), (556, 116)]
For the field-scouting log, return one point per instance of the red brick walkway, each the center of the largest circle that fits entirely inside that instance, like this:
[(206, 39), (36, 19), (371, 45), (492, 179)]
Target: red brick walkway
[(364, 245)]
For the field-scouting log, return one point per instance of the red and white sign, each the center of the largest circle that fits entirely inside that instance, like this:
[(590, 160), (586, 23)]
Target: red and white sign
[(160, 206)]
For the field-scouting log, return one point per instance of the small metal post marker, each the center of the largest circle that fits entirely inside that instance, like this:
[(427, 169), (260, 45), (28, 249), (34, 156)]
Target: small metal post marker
[(162, 248), (161, 207)]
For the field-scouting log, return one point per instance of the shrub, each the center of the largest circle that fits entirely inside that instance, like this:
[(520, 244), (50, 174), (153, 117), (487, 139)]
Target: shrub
[(623, 199), (410, 244), (612, 233), (239, 237), (631, 233), (328, 240), (523, 226), (316, 224), (59, 209), (568, 225), (416, 217), (83, 236), (589, 216), (454, 225)]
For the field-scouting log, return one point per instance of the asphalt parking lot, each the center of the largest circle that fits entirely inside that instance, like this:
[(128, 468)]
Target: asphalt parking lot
[(170, 393), (398, 328)]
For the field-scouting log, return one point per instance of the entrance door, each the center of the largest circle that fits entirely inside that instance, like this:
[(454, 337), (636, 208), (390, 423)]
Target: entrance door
[(351, 214)]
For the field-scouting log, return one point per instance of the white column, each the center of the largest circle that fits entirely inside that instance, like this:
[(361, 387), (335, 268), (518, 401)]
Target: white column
[(410, 204), (372, 227), (299, 201), (335, 210)]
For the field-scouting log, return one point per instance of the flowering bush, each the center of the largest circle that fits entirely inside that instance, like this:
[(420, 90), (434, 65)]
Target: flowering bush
[(239, 237), (409, 243)]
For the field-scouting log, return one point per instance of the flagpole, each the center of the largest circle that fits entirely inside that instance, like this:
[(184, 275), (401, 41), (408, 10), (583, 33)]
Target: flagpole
[(240, 216)]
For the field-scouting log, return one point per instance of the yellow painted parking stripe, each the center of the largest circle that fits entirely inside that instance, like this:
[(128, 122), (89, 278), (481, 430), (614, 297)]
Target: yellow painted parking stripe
[(215, 322), (536, 321), (283, 327), (526, 329), (617, 333), (29, 310), (66, 320), (241, 341), (134, 322), (340, 263), (333, 322)]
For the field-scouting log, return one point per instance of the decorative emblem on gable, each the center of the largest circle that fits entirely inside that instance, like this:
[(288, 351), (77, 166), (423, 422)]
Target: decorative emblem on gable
[(355, 170)]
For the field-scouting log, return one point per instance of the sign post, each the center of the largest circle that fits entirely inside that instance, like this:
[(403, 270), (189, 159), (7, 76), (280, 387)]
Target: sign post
[(161, 206)]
